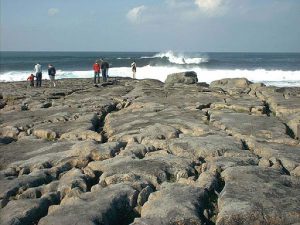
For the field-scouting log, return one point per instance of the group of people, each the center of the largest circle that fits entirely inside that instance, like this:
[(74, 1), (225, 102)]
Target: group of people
[(39, 73), (100, 66), (103, 66)]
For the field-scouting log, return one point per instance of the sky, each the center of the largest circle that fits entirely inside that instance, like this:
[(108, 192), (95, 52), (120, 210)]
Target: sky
[(150, 25)]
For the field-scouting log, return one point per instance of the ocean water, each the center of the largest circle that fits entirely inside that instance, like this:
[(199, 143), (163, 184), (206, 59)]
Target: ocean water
[(280, 69)]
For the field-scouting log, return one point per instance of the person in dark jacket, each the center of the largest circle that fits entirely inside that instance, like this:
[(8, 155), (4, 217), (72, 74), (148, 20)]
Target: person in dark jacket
[(51, 73), (38, 74), (104, 68)]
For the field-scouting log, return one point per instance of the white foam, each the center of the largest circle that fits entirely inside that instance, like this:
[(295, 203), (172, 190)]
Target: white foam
[(123, 58), (269, 77), (180, 59)]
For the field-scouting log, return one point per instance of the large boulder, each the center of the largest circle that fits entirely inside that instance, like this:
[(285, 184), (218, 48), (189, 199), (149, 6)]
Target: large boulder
[(189, 77), (233, 85)]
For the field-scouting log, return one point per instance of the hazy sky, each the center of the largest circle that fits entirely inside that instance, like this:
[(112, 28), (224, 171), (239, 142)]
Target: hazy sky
[(150, 25)]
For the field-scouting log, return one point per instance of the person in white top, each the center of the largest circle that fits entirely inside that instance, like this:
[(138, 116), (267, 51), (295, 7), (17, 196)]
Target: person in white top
[(133, 68), (38, 74)]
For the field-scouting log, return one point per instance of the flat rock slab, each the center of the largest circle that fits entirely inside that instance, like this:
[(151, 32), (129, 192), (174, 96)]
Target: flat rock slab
[(206, 146), (283, 101), (27, 148), (246, 104), (229, 83), (217, 164), (174, 204), (131, 122), (154, 169), (287, 155), (246, 126), (111, 205), (254, 195)]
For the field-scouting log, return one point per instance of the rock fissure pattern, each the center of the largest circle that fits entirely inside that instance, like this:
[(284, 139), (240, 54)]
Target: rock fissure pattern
[(147, 152)]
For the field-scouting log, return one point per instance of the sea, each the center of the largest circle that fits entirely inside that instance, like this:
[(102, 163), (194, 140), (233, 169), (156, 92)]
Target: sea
[(278, 69)]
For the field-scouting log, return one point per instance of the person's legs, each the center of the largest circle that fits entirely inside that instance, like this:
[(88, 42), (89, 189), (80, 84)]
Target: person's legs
[(95, 74), (52, 79), (98, 77), (36, 79), (39, 79), (104, 75)]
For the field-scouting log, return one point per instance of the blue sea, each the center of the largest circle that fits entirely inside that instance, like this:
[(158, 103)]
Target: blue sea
[(280, 69)]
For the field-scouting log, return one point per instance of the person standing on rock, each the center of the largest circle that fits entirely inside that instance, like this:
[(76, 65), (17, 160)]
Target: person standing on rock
[(133, 69), (38, 74), (51, 73), (104, 68), (97, 70)]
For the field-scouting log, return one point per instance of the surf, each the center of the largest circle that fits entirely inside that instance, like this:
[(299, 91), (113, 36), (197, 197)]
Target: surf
[(268, 77), (181, 58)]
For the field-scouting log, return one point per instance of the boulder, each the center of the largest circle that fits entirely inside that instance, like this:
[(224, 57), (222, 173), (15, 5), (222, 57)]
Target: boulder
[(231, 83), (189, 77)]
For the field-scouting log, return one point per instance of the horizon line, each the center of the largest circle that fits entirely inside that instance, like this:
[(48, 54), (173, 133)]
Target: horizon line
[(153, 51)]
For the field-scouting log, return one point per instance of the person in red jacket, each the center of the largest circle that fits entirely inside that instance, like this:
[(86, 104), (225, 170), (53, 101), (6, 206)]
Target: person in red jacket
[(97, 69), (31, 80)]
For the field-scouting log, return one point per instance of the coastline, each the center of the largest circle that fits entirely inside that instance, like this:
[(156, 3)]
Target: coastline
[(279, 69), (149, 151)]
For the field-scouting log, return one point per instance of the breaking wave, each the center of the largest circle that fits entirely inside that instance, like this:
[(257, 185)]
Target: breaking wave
[(178, 58), (181, 59)]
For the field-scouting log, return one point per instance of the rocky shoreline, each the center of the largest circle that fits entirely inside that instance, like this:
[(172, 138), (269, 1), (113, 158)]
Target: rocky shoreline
[(146, 152)]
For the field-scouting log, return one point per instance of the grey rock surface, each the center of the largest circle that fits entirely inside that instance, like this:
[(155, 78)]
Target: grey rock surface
[(148, 152), (255, 195)]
